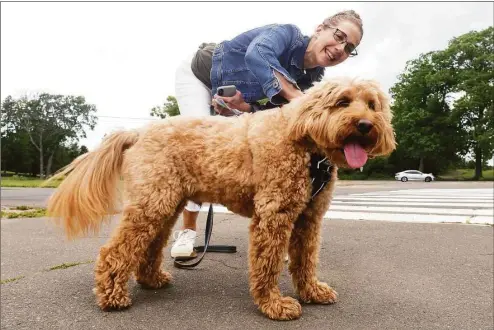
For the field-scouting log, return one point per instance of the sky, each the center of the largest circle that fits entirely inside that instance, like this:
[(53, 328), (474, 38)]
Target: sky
[(122, 57)]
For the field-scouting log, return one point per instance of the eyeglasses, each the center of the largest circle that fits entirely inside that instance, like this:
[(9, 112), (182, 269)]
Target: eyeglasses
[(342, 38)]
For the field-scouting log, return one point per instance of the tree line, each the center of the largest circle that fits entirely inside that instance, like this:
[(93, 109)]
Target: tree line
[(40, 133)]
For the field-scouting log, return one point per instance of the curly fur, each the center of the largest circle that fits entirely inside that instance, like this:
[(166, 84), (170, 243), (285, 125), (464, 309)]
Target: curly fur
[(257, 165)]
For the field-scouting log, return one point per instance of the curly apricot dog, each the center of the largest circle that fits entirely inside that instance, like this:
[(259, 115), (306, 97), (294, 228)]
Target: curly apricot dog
[(257, 165)]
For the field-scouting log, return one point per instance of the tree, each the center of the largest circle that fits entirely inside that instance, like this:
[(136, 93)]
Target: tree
[(421, 118), (471, 58), (18, 154), (21, 157), (49, 121), (443, 103), (168, 109)]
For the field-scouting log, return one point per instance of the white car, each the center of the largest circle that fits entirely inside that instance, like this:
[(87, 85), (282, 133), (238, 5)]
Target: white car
[(414, 175)]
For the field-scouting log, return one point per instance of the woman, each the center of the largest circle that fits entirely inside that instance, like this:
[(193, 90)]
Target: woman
[(275, 62)]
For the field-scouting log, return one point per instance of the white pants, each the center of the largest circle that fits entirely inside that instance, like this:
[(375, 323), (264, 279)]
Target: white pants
[(194, 100)]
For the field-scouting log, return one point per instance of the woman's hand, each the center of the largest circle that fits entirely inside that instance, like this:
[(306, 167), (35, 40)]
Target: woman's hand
[(234, 102), (221, 110)]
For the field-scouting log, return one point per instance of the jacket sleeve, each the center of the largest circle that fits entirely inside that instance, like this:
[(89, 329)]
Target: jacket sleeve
[(263, 53)]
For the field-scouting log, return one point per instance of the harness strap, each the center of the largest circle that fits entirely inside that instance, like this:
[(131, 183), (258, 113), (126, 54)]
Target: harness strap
[(320, 172)]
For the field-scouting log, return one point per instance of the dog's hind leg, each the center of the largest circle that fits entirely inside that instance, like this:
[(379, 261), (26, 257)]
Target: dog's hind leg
[(304, 249), (141, 226), (269, 236), (149, 273)]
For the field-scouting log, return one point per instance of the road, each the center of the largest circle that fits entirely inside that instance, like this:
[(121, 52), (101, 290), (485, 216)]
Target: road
[(389, 275), (38, 196), (456, 202)]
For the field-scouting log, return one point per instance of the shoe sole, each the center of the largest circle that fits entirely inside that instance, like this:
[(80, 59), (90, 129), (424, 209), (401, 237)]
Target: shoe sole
[(184, 256)]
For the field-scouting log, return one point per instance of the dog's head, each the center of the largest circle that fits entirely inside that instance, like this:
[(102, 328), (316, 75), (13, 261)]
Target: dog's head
[(348, 120)]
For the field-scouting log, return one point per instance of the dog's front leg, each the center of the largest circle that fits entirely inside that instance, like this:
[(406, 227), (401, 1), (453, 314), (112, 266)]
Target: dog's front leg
[(304, 250), (269, 237)]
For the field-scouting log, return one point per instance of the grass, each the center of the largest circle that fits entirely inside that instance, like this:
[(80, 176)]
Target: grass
[(26, 182), (465, 174), (70, 264), (22, 208), (23, 212), (11, 279), (61, 266)]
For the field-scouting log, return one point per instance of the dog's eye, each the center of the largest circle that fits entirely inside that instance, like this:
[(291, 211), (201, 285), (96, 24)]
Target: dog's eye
[(372, 105), (343, 102)]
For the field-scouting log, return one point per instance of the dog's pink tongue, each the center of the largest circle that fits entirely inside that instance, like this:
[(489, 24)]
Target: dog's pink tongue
[(355, 155)]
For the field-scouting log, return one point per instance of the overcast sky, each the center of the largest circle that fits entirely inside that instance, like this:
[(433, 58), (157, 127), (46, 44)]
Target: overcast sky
[(122, 56)]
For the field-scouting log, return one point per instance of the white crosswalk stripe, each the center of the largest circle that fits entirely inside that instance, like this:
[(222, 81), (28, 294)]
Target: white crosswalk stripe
[(417, 205), (471, 206)]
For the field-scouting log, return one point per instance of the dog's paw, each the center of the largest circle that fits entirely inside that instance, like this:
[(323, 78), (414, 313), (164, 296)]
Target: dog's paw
[(113, 302), (319, 293), (282, 308), (157, 281)]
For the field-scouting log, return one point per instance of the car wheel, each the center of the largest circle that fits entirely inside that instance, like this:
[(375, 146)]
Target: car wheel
[(404, 179), (428, 179)]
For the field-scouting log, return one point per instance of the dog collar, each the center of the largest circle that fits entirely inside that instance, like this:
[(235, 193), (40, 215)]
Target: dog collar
[(320, 173)]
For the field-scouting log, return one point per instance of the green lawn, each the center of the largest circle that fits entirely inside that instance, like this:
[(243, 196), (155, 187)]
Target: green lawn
[(23, 212), (26, 182), (466, 174)]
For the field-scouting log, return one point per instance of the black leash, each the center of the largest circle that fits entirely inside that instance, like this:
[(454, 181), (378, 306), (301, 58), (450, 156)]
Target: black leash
[(206, 247)]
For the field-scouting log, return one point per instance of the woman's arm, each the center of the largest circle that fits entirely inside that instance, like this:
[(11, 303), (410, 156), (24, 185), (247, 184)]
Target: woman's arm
[(262, 60), (288, 90)]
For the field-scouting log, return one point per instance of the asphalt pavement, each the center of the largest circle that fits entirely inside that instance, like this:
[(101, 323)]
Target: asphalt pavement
[(389, 275)]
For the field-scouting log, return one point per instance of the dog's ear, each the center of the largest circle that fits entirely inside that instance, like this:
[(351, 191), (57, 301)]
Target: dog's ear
[(387, 141), (383, 99), (307, 110)]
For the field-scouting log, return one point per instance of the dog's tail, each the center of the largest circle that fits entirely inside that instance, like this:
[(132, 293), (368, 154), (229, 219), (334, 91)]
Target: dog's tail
[(87, 194)]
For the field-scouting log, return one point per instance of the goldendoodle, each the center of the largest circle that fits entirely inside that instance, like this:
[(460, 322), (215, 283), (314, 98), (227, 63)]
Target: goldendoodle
[(257, 165)]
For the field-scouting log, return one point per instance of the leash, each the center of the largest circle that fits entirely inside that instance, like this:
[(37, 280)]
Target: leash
[(206, 247)]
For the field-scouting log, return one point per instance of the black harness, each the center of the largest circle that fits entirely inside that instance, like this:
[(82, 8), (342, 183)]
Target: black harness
[(320, 173)]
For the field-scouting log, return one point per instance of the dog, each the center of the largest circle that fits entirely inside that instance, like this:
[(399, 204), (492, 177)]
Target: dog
[(256, 164)]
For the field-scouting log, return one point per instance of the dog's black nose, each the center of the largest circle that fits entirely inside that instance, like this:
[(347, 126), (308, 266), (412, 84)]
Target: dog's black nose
[(364, 126)]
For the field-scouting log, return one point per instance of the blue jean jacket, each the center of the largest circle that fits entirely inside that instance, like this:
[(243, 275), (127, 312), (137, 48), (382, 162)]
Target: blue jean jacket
[(248, 61)]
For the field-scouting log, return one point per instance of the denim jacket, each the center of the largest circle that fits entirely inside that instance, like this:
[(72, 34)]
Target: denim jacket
[(248, 61)]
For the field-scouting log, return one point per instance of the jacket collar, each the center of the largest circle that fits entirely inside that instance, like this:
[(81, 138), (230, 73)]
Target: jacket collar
[(299, 53), (298, 61)]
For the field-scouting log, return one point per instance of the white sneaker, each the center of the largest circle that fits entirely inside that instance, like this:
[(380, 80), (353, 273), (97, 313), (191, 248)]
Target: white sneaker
[(184, 244)]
